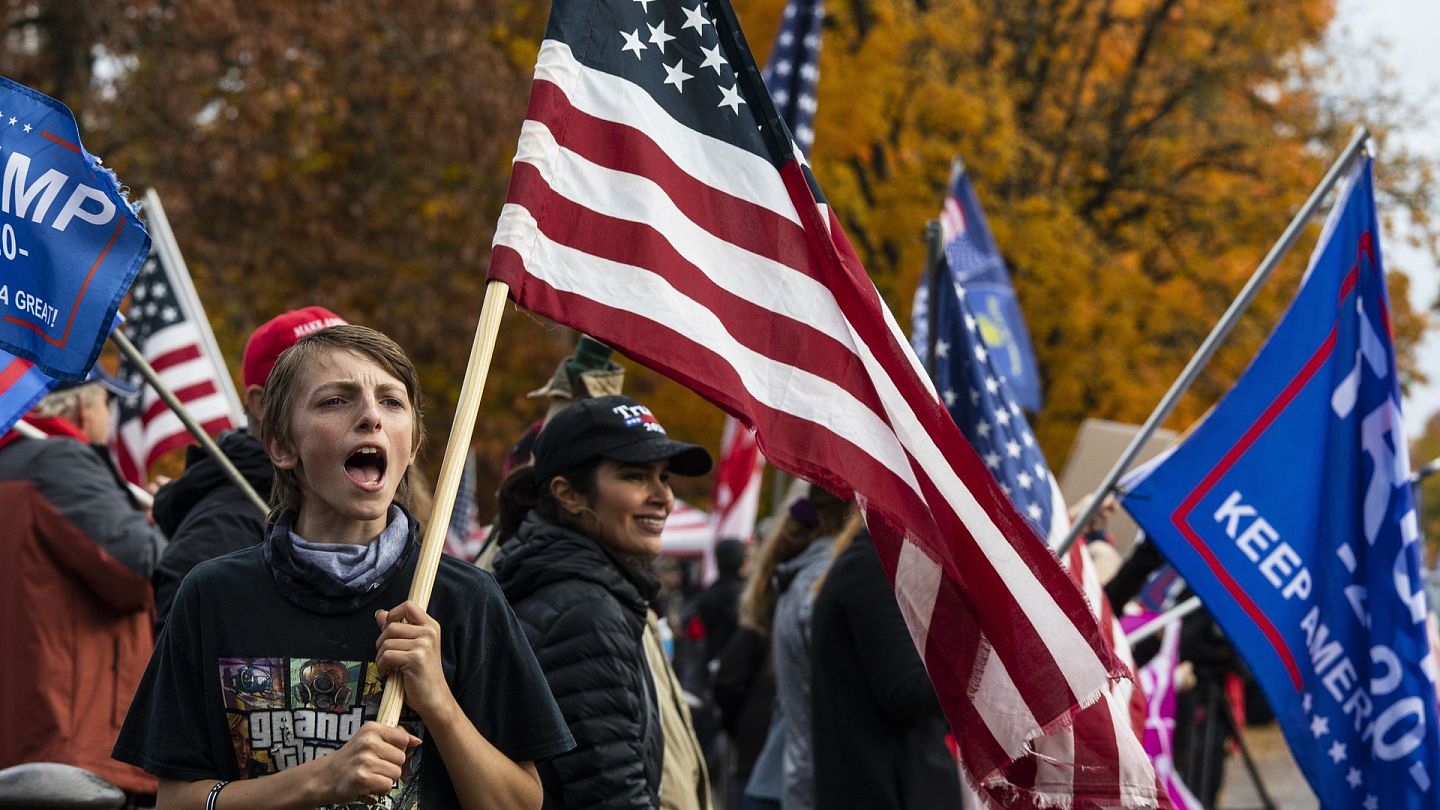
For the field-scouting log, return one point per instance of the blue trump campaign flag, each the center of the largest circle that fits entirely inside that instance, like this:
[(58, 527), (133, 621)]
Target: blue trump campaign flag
[(1289, 511), (70, 243), (976, 265), (21, 386)]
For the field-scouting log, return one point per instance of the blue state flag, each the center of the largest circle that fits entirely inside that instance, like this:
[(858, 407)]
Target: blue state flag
[(1290, 514), (974, 263), (70, 243)]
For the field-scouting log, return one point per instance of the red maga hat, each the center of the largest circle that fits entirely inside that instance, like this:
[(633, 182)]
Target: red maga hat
[(278, 334)]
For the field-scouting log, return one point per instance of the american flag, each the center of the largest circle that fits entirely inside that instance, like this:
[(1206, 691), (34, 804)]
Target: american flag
[(735, 497), (464, 537), (689, 533), (791, 75), (982, 403), (167, 325), (793, 69), (979, 398), (659, 203)]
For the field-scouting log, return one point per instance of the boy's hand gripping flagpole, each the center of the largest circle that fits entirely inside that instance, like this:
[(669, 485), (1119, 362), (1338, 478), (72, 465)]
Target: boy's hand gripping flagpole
[(433, 544), (133, 355), (1227, 321)]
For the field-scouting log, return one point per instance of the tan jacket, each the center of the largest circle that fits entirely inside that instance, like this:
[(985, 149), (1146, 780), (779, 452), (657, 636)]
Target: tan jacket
[(684, 782)]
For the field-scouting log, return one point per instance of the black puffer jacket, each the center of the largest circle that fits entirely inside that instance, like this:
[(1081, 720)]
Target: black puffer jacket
[(205, 515), (583, 610)]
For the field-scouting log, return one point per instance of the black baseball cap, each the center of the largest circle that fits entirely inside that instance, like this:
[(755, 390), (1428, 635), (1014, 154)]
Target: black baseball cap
[(612, 427)]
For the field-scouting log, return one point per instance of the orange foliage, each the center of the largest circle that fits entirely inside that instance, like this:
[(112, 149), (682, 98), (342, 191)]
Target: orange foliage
[(1136, 158)]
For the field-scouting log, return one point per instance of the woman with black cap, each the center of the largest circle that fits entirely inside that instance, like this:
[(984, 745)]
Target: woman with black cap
[(578, 574)]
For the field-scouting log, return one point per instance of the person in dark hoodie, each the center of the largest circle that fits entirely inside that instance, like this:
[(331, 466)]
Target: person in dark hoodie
[(203, 512), (577, 572)]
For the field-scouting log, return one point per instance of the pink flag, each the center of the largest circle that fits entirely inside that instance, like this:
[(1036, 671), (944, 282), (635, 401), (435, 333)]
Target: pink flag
[(1157, 678)]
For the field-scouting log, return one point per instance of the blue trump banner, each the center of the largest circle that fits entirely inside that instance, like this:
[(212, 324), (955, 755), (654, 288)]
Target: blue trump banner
[(974, 263), (1290, 514), (70, 243)]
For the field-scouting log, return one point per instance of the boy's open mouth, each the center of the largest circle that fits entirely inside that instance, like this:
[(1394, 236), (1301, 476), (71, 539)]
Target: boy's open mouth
[(366, 466)]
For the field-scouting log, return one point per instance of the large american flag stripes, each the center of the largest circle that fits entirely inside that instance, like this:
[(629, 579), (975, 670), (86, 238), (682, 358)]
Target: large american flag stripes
[(659, 204), (986, 408)]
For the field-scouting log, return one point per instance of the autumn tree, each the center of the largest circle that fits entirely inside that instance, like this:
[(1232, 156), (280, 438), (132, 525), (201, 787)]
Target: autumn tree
[(1425, 449), (1135, 157)]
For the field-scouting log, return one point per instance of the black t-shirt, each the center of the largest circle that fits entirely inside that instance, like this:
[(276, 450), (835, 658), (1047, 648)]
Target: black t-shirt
[(245, 683)]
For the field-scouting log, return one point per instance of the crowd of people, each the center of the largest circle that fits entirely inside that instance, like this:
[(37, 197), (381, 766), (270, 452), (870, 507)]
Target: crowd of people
[(198, 653)]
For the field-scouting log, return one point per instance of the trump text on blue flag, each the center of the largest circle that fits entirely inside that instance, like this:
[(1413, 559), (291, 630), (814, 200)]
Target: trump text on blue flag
[(69, 242), (1289, 511)]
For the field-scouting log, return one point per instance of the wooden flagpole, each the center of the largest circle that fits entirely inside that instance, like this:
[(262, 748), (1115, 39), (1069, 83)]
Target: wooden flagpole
[(463, 427)]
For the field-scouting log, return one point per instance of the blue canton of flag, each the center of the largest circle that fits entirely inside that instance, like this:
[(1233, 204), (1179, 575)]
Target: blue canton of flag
[(1290, 513), (976, 265), (793, 69), (980, 401), (70, 243), (1161, 589)]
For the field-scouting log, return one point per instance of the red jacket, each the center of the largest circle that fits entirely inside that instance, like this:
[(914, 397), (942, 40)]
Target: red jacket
[(76, 635)]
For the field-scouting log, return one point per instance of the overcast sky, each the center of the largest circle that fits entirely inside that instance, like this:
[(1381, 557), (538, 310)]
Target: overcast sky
[(1411, 31)]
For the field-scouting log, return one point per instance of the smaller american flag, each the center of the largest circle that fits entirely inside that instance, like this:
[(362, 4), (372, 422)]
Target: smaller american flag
[(173, 337), (979, 399), (735, 498), (465, 536), (793, 69)]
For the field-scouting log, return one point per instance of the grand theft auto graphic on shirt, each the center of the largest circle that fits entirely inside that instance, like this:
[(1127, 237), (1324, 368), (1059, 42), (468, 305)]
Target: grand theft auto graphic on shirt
[(284, 712)]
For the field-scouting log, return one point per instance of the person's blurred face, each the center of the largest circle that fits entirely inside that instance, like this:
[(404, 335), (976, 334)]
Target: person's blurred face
[(749, 564), (95, 413)]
